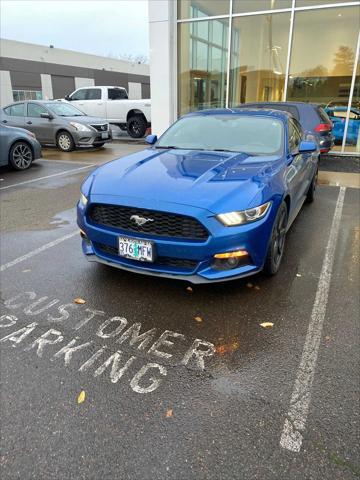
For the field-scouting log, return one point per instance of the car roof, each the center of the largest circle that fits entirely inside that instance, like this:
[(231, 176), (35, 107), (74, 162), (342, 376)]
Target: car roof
[(290, 104), (280, 114)]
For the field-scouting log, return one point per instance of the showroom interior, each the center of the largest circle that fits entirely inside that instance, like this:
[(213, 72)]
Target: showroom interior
[(228, 52)]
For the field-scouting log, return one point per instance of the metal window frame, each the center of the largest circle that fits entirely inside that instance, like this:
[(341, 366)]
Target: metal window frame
[(293, 9)]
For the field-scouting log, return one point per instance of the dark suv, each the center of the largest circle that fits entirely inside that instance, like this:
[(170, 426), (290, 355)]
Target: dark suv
[(312, 118)]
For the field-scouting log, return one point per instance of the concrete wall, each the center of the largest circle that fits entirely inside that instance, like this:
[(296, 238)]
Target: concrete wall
[(162, 23), (6, 95), (58, 72)]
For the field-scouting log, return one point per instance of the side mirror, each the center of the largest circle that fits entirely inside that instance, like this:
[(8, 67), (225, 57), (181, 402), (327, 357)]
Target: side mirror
[(46, 115), (67, 98), (307, 147), (151, 139)]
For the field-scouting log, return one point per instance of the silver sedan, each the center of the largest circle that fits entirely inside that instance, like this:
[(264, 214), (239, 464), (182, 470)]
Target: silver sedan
[(57, 123)]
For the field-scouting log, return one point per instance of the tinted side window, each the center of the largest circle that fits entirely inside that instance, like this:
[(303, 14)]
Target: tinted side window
[(117, 94), (93, 94), (79, 95), (35, 110), (15, 110), (323, 115), (294, 136)]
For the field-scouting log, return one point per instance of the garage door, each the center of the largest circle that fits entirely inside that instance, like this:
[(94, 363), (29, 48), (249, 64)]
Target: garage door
[(62, 85)]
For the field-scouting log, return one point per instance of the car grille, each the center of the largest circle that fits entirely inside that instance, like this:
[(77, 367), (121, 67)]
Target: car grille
[(101, 128), (182, 263), (164, 224)]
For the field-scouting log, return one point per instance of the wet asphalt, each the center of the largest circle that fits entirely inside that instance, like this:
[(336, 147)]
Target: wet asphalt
[(220, 422)]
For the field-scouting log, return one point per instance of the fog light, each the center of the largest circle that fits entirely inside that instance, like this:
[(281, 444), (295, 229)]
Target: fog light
[(231, 260)]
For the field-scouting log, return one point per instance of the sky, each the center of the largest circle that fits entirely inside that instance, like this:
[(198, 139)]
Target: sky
[(100, 27)]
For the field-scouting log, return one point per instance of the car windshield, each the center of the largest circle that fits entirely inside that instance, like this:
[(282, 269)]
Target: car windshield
[(63, 109), (234, 133)]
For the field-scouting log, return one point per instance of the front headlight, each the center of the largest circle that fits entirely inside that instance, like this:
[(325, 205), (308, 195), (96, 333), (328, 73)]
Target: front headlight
[(83, 199), (233, 219), (80, 127)]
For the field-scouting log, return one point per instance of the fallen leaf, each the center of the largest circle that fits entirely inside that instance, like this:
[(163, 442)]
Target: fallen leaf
[(227, 348), (81, 397), (256, 287), (327, 338), (198, 319), (249, 285), (79, 301), (298, 274), (169, 413), (266, 325), (189, 289), (27, 270)]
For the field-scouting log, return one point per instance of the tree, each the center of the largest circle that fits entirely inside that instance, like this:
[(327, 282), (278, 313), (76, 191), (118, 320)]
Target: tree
[(344, 61)]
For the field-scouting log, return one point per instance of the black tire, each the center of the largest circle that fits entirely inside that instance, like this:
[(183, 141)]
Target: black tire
[(64, 141), (277, 242), (310, 196), (21, 156), (136, 126)]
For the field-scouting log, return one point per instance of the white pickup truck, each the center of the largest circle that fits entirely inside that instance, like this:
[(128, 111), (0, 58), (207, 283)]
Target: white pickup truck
[(113, 104)]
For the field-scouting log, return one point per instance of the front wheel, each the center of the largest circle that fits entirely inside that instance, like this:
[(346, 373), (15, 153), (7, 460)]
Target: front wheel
[(21, 156), (310, 196), (277, 243), (65, 142), (136, 126)]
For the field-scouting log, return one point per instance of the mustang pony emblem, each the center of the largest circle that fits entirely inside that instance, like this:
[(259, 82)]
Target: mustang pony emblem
[(140, 220)]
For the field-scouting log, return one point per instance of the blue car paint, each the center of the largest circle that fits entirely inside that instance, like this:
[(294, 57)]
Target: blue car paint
[(198, 184), (339, 125)]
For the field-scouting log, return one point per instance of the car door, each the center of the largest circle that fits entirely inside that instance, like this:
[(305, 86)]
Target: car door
[(78, 99), (117, 105), (13, 115), (4, 142), (94, 103), (298, 168), (41, 127)]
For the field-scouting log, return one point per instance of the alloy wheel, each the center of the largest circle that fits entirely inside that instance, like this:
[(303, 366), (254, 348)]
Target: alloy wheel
[(64, 142), (279, 237), (22, 156)]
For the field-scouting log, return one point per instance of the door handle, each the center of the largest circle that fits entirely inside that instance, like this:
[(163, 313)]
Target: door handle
[(29, 123), (99, 103), (4, 121)]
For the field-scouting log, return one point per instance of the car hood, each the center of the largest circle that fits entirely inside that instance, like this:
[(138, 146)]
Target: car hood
[(85, 119), (211, 180)]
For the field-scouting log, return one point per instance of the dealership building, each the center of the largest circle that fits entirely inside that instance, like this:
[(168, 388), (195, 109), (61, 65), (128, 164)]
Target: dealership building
[(222, 53), (29, 71)]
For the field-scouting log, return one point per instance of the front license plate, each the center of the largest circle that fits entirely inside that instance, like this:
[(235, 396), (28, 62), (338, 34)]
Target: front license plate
[(105, 135), (136, 249)]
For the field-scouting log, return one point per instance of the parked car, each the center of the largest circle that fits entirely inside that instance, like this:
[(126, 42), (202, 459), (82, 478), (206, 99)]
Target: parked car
[(113, 104), (18, 147), (337, 115), (211, 200), (57, 123), (312, 118)]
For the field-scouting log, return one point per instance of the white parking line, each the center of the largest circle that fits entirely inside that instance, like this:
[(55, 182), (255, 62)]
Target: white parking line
[(64, 172), (37, 251), (294, 426)]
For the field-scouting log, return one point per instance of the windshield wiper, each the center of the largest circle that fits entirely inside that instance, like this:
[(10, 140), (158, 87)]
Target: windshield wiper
[(167, 147)]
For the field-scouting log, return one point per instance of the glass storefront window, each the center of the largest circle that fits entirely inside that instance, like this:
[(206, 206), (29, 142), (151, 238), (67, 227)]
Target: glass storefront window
[(314, 3), (323, 74), (202, 8), (258, 58), (352, 143), (202, 61), (244, 6)]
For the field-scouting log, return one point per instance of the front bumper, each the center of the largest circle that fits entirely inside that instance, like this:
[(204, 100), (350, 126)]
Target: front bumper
[(101, 243), (91, 138)]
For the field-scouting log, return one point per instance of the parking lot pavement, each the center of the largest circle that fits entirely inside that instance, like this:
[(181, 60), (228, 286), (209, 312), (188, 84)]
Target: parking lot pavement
[(158, 402), (94, 155)]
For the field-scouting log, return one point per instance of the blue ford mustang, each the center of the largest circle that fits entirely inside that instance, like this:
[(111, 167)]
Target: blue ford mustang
[(211, 200)]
